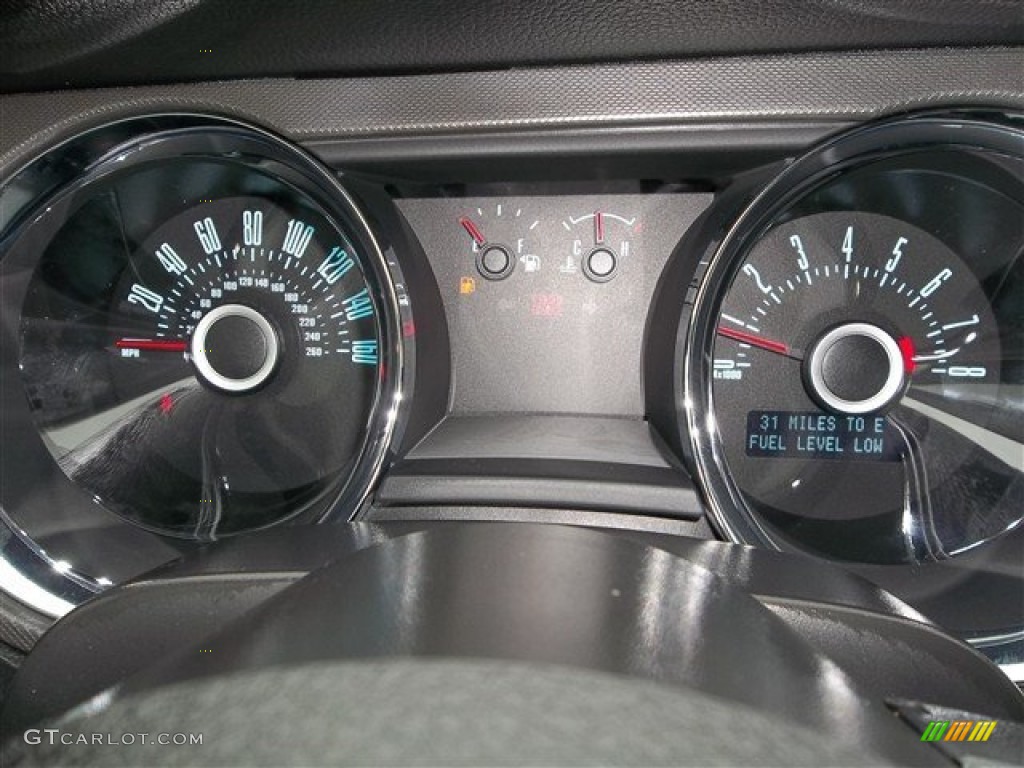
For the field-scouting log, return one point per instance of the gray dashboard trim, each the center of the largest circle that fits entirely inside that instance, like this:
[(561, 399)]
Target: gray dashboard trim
[(838, 85)]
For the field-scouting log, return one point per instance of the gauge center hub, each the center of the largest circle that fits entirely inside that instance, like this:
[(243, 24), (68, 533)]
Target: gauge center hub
[(234, 348), (855, 368), (495, 262)]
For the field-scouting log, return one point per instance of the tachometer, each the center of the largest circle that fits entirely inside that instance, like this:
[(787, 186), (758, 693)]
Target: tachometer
[(855, 381), (859, 339)]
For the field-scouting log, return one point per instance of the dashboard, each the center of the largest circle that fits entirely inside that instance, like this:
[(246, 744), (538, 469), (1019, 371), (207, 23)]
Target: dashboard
[(772, 300)]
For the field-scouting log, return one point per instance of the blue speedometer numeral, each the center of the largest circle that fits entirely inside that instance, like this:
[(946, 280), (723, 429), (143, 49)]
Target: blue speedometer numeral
[(358, 306), (364, 351)]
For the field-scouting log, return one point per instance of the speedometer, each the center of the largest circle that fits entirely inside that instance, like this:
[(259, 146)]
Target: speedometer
[(207, 334)]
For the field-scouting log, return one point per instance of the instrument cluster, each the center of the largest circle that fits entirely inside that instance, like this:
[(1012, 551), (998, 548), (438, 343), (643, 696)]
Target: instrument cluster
[(208, 332)]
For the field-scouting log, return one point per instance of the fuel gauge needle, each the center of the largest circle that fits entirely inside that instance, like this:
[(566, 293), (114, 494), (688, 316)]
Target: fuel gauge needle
[(760, 342), (153, 345), (473, 231)]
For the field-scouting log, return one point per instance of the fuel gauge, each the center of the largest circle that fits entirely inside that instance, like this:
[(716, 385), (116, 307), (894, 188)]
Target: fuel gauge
[(500, 237)]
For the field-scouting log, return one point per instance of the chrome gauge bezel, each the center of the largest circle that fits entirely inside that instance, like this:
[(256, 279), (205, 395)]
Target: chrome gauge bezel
[(997, 134), (55, 176)]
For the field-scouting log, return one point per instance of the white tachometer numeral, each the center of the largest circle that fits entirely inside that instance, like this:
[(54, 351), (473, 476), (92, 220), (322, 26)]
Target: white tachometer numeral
[(963, 324), (936, 282), (142, 296), (334, 267), (897, 254), (297, 238), (752, 272), (848, 244), (967, 371), (206, 231), (170, 260), (801, 254), (252, 227)]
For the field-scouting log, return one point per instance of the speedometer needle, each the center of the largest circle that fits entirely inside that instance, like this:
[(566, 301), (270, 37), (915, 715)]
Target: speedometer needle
[(152, 345), (760, 342)]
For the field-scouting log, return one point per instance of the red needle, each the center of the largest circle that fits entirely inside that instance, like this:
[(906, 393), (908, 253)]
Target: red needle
[(599, 228), (906, 345), (154, 345), (756, 341), (473, 231)]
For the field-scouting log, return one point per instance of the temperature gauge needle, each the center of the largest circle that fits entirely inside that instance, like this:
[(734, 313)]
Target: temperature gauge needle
[(152, 345), (760, 342)]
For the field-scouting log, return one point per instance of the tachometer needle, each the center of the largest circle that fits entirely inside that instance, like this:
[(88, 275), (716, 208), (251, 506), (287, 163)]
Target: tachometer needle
[(906, 345), (760, 342), (153, 345)]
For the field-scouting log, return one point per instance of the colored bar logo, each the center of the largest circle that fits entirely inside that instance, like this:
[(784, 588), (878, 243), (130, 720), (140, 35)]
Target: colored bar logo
[(959, 730)]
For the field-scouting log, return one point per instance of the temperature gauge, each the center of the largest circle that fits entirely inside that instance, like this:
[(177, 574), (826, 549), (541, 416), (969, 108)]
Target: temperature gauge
[(602, 241)]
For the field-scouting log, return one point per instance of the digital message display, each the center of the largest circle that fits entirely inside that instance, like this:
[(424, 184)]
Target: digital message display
[(817, 435)]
